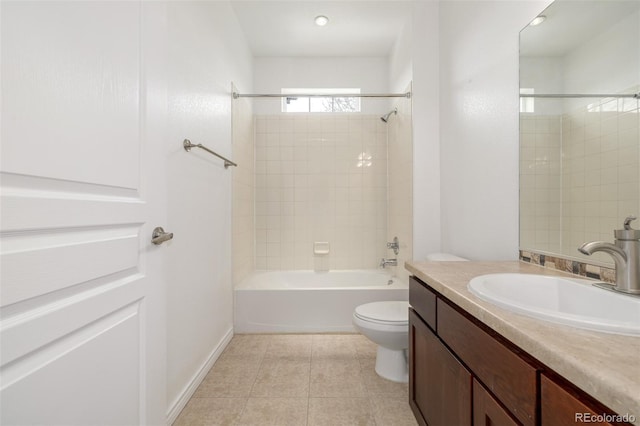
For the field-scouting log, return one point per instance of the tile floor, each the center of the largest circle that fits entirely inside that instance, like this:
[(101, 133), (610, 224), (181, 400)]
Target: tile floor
[(298, 380)]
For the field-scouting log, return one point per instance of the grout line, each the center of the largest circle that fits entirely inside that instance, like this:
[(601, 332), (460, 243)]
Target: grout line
[(282, 357), (244, 409)]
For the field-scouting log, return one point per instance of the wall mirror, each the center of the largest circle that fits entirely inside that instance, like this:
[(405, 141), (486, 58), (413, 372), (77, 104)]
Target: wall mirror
[(579, 126)]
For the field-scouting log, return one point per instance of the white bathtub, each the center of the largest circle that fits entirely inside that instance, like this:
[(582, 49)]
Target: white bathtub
[(308, 301)]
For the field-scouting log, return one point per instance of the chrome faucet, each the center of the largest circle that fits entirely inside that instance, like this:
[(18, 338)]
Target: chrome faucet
[(394, 245), (388, 262), (626, 256)]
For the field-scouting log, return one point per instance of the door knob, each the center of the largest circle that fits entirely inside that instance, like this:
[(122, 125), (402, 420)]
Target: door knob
[(159, 236)]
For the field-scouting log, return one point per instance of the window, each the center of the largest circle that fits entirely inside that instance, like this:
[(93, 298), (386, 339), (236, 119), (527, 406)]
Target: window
[(527, 104), (323, 103)]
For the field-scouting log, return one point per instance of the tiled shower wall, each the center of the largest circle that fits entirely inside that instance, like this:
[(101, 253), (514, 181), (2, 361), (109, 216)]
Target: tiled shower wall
[(320, 179), (587, 194), (600, 171), (540, 182), (243, 190), (400, 166)]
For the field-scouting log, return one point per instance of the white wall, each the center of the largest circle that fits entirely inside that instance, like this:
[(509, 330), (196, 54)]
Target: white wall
[(415, 59), (426, 129), (617, 67), (369, 74), (400, 59), (479, 125), (206, 53), (544, 74)]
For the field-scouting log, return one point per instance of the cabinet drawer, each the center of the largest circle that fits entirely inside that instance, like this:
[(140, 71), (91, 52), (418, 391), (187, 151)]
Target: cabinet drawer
[(511, 379), (487, 411), (423, 301), (561, 408)]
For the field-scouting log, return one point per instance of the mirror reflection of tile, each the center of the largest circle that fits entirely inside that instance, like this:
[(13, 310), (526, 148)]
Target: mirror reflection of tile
[(579, 156)]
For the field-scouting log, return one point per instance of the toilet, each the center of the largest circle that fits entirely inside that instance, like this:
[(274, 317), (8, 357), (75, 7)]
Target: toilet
[(444, 257), (387, 325)]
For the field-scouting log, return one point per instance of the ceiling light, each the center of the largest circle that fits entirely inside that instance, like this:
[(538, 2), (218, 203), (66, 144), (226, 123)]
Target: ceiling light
[(538, 20), (321, 20)]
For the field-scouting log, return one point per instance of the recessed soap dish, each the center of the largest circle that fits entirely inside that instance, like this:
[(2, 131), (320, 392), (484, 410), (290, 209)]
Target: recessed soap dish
[(321, 248)]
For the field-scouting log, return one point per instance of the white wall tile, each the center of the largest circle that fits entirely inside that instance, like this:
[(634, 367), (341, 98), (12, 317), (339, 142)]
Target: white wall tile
[(598, 176), (316, 189)]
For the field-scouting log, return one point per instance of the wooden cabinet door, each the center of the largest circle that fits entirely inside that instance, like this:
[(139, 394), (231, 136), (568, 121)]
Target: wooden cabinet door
[(439, 386), (561, 408), (487, 411), (505, 374)]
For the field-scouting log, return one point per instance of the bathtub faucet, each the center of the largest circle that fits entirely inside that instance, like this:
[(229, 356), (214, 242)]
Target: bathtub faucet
[(388, 262)]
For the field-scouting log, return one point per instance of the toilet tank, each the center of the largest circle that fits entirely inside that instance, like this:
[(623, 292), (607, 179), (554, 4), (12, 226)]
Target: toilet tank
[(444, 257)]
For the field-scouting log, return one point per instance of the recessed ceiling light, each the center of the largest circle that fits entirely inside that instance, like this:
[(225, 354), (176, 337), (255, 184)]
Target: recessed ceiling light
[(321, 20), (538, 20)]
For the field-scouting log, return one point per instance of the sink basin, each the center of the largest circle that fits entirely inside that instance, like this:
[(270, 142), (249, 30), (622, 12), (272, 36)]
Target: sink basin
[(573, 302)]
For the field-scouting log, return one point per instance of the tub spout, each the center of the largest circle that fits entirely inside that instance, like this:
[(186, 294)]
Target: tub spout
[(388, 262)]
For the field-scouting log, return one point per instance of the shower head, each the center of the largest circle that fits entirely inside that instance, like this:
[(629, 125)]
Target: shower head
[(385, 117)]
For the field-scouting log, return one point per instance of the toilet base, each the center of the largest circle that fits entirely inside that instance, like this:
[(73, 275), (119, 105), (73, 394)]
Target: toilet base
[(392, 364)]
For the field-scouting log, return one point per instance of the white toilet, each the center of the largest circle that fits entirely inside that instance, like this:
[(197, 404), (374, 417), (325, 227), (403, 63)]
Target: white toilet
[(387, 325), (444, 257)]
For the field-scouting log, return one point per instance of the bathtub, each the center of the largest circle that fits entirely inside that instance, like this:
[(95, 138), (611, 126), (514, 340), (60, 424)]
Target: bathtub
[(308, 301)]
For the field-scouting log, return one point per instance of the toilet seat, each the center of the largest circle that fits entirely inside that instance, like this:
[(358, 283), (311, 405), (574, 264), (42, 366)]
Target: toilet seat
[(384, 313)]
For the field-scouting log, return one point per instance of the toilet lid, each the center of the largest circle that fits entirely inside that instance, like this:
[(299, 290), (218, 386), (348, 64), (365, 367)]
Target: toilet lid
[(389, 312)]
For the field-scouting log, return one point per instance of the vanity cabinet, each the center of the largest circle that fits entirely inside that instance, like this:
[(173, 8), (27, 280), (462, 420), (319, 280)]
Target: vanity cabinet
[(560, 407), (441, 387), (487, 411), (461, 372)]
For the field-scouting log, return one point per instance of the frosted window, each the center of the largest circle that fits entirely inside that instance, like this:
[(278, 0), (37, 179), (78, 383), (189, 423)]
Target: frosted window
[(527, 104), (320, 104)]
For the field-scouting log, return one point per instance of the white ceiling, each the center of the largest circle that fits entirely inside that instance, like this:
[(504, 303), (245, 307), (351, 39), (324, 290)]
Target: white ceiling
[(571, 23), (355, 28)]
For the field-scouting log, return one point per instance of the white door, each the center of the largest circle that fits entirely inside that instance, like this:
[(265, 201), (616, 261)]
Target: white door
[(82, 291)]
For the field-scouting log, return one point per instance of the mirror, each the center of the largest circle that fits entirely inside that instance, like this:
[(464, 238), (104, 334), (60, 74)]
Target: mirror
[(579, 126)]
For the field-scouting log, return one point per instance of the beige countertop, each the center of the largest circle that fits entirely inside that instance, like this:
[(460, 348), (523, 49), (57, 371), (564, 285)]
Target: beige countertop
[(606, 366)]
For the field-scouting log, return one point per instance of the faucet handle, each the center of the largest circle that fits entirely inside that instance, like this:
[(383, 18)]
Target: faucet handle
[(627, 222), (628, 233), (395, 245)]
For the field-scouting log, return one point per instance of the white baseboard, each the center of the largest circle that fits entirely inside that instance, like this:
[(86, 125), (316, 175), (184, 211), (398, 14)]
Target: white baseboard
[(178, 405)]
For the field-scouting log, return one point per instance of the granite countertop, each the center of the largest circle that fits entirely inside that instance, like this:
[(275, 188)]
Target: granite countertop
[(606, 366)]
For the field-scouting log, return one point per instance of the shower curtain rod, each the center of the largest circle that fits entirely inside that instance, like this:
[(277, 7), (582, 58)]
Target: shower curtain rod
[(533, 95), (237, 95)]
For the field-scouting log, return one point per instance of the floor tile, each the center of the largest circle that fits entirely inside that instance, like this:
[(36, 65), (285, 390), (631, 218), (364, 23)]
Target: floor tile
[(290, 346), (340, 412), (211, 412), (336, 378), (304, 379), (392, 411), (365, 348), (334, 347), (274, 412), (377, 385), (228, 379), (282, 378), (246, 347)]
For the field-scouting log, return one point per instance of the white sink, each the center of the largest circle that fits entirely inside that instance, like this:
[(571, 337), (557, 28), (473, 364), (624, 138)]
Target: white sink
[(573, 302)]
